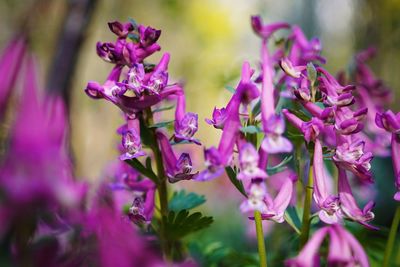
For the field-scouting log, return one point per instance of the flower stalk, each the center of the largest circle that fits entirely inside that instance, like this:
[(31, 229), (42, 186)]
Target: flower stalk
[(305, 227), (260, 239), (392, 237)]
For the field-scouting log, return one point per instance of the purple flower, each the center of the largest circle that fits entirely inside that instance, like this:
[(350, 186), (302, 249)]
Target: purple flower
[(293, 71), (349, 205), (248, 159), (328, 203), (336, 94), (311, 129), (142, 208), (186, 124), (131, 140), (304, 51), (159, 77), (109, 90), (348, 122), (391, 123), (36, 173), (274, 141), (218, 118), (217, 159), (112, 241), (255, 200), (350, 155), (135, 79), (308, 256), (388, 121), (121, 29), (275, 208), (265, 31), (344, 249), (148, 35), (176, 169)]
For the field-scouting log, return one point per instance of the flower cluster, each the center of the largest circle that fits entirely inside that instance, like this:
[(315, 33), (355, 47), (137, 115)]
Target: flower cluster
[(330, 118)]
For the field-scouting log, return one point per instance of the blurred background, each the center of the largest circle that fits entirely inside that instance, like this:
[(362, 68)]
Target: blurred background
[(208, 40)]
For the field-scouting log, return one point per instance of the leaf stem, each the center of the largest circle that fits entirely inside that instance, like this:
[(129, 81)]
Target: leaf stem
[(260, 239), (392, 237), (305, 227)]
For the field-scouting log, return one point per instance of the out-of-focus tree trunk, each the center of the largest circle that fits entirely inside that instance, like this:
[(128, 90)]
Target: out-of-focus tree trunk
[(76, 21)]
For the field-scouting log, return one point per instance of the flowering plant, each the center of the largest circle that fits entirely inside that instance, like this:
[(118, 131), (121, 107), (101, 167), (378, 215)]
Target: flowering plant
[(297, 144)]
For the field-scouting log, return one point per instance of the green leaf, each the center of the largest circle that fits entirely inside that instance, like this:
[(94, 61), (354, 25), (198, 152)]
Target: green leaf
[(181, 224), (185, 201), (137, 165), (251, 129), (163, 108), (133, 22), (293, 218), (311, 72), (230, 89), (161, 124), (237, 183), (134, 37), (256, 109), (279, 167), (301, 114), (146, 135)]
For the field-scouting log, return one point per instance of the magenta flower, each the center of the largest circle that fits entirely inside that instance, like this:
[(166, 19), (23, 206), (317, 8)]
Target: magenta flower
[(344, 249), (176, 169), (328, 203), (350, 155), (142, 208), (217, 159), (275, 208), (274, 141), (349, 205), (293, 71), (265, 31), (131, 140), (121, 29), (148, 36), (248, 159), (255, 200), (391, 123), (218, 118), (311, 129), (308, 256), (36, 175), (186, 124)]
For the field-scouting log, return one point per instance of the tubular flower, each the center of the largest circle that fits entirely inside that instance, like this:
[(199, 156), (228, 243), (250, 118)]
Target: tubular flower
[(217, 159), (349, 205), (351, 156), (344, 249), (131, 141), (391, 123), (328, 203), (218, 118), (265, 31), (176, 169), (248, 158), (186, 124)]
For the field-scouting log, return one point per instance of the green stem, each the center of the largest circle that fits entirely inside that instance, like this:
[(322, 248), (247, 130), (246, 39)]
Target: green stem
[(260, 239), (299, 169), (162, 190), (392, 237), (305, 227)]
